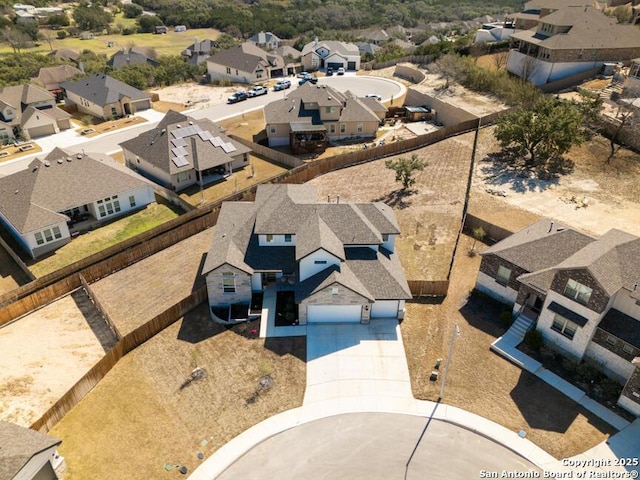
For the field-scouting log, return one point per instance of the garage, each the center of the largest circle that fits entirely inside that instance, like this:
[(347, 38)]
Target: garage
[(351, 65), (385, 309), (334, 313), (335, 65), (41, 131)]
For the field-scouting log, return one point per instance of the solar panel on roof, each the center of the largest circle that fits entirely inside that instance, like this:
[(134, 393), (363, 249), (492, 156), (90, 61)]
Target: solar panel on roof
[(178, 142), (179, 151), (217, 141), (180, 161), (228, 147)]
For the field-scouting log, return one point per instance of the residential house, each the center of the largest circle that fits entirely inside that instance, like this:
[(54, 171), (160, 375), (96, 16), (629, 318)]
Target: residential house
[(266, 40), (182, 151), (495, 31), (160, 29), (43, 205), (31, 111), (130, 56), (632, 81), (338, 260), (52, 77), (65, 54), (581, 293), (199, 52), (367, 49), (27, 454), (312, 115), (105, 97), (569, 41), (319, 55), (534, 10), (245, 63)]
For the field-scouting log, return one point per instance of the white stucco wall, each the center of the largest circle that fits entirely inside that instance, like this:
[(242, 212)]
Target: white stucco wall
[(488, 285), (308, 267), (30, 238), (219, 72), (385, 309), (390, 244), (629, 405), (623, 302), (544, 72)]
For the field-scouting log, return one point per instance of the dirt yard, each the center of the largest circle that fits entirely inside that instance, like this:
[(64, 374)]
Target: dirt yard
[(145, 413), (595, 197), (138, 293), (194, 95), (46, 352), (429, 214), (481, 381)]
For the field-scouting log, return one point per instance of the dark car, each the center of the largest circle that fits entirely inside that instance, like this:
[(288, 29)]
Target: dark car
[(238, 97), (309, 79), (329, 71)]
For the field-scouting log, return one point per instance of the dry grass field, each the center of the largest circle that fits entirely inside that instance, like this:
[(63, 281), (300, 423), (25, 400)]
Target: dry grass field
[(144, 414), (11, 275)]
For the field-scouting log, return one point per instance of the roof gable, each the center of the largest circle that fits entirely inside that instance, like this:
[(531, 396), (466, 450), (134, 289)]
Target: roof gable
[(101, 89)]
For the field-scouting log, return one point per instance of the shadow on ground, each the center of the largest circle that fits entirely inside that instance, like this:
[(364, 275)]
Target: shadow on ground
[(483, 313), (398, 198), (296, 346)]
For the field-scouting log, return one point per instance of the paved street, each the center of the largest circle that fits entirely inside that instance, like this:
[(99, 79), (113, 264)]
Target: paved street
[(375, 446)]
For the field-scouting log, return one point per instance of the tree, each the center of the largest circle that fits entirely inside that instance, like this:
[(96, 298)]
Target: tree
[(500, 59), (131, 10), (478, 235), (547, 130), (404, 168), (147, 23), (60, 20), (16, 39), (627, 121), (93, 18)]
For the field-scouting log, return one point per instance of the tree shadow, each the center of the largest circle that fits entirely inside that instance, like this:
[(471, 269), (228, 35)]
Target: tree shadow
[(398, 198), (509, 170), (296, 346)]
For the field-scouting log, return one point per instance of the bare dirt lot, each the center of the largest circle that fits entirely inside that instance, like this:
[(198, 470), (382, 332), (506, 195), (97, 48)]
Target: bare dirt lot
[(145, 413), (138, 293), (595, 197), (46, 352)]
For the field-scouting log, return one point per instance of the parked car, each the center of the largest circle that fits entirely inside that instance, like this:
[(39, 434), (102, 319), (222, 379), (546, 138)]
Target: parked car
[(257, 90), (282, 85), (373, 95), (238, 97), (329, 71), (303, 74), (306, 79), (341, 71)]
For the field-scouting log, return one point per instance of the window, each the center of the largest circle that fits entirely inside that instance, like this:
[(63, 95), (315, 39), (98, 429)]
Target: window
[(320, 262), (109, 205), (332, 128), (628, 349), (564, 327), (611, 340), (269, 238), (184, 176), (259, 73), (228, 282), (334, 290), (132, 201), (39, 239), (359, 128), (272, 129), (56, 232), (385, 237), (330, 109), (47, 235), (236, 71), (287, 238), (580, 293), (343, 128), (504, 274), (228, 70)]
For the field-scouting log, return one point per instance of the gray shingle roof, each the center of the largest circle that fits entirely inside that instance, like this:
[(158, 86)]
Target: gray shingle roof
[(102, 89), (160, 145), (245, 57), (18, 445), (333, 46), (52, 75), (129, 57), (541, 245), (292, 209), (31, 199), (21, 96)]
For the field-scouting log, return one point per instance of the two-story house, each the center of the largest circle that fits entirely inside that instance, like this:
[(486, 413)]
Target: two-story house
[(245, 63), (266, 40), (182, 151), (313, 115), (329, 53), (582, 293), (338, 259), (569, 41), (43, 205), (199, 51)]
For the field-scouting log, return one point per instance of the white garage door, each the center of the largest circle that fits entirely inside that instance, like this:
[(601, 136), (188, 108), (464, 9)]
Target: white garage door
[(333, 313), (384, 309)]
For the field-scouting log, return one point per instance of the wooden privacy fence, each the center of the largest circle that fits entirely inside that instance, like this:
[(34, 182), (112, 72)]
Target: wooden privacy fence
[(127, 343), (493, 232), (428, 288), (274, 156)]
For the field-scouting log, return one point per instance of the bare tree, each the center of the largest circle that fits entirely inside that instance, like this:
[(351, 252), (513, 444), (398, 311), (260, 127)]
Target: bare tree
[(49, 37), (16, 39), (627, 124), (528, 67), (500, 59)]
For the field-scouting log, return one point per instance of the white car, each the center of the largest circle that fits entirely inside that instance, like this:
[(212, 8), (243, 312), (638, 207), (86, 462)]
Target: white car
[(257, 90), (340, 71)]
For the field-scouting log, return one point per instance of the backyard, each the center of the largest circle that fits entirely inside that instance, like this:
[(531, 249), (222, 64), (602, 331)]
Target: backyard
[(97, 240)]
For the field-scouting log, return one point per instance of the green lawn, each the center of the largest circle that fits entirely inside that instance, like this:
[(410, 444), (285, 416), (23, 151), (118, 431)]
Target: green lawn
[(104, 237), (171, 43)]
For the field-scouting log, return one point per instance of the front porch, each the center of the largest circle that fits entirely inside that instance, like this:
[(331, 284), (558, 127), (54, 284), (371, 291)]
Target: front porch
[(268, 326)]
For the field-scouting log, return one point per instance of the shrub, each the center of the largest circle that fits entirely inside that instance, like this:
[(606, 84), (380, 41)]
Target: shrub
[(61, 35), (129, 30), (533, 340)]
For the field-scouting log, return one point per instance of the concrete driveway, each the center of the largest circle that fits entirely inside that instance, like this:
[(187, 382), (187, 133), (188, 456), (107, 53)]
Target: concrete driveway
[(349, 362)]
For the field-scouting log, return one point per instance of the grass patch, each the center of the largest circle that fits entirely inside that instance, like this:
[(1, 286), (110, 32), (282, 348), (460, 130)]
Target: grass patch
[(104, 237)]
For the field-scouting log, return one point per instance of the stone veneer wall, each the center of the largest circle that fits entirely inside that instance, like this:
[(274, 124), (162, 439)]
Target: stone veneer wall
[(599, 298), (325, 296)]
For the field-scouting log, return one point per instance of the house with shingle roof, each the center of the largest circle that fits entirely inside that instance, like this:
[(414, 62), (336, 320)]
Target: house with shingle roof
[(568, 41), (246, 63), (182, 151), (32, 110), (337, 260), (266, 40), (63, 193), (129, 56), (318, 55), (311, 116), (581, 293), (26, 454), (105, 97), (52, 77), (199, 52)]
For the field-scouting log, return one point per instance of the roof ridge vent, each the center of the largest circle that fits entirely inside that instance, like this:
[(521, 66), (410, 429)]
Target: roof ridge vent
[(47, 163), (79, 156), (68, 159), (60, 161)]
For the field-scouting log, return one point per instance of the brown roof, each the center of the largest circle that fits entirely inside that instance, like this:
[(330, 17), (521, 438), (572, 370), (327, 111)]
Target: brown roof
[(18, 445), (180, 143), (30, 199), (21, 96), (52, 75), (245, 57)]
